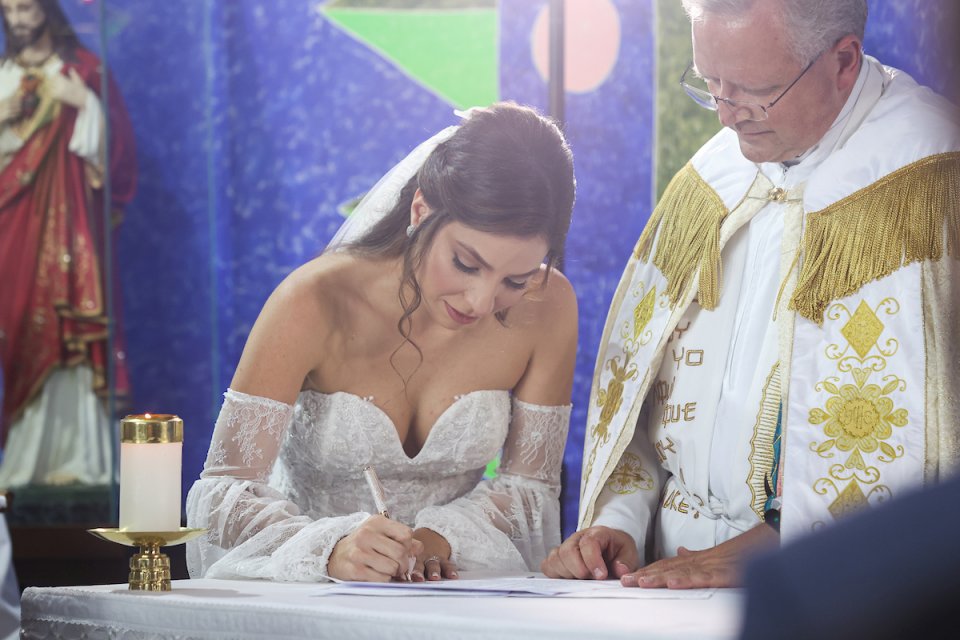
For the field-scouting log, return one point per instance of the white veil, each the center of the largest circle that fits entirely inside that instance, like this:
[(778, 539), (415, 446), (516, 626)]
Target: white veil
[(383, 196)]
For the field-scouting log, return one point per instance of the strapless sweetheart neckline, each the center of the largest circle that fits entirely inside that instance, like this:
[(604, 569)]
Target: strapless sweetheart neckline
[(384, 419)]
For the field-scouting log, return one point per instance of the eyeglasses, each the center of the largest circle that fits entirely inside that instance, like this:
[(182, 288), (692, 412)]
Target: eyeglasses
[(752, 110)]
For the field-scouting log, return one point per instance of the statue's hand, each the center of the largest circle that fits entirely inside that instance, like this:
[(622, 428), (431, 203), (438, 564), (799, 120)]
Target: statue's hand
[(69, 89), (10, 109)]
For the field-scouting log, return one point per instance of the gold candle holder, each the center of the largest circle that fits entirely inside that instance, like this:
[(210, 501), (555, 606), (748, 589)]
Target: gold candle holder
[(151, 448), (150, 568)]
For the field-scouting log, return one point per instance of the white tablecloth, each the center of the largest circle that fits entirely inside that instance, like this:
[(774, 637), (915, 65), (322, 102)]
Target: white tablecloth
[(253, 609)]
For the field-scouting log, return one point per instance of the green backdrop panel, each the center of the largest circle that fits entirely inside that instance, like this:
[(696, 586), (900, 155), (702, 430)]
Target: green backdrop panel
[(453, 53), (682, 126)]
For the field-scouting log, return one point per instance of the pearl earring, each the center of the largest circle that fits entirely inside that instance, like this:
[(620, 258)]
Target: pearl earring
[(410, 229)]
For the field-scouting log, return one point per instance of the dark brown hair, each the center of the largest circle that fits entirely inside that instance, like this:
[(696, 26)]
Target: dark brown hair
[(507, 170)]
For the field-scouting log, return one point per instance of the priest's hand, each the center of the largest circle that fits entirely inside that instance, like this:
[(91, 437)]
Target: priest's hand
[(69, 89), (719, 566), (595, 553), (433, 563)]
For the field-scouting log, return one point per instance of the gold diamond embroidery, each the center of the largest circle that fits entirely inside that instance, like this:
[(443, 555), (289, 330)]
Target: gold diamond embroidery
[(863, 329), (850, 499), (643, 313), (629, 476)]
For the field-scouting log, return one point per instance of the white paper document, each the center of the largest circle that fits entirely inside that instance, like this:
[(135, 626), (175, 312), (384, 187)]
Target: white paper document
[(478, 584)]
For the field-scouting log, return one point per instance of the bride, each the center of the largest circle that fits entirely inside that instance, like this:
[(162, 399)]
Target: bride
[(433, 334)]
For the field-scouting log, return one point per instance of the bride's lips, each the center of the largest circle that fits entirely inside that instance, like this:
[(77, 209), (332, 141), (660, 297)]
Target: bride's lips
[(459, 318)]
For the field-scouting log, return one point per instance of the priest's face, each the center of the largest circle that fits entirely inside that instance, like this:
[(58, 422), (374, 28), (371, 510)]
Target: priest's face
[(25, 20), (747, 58)]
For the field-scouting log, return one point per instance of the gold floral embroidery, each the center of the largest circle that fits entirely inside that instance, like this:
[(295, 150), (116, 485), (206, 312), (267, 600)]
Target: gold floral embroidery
[(629, 476), (859, 417), (610, 399), (634, 336), (632, 323)]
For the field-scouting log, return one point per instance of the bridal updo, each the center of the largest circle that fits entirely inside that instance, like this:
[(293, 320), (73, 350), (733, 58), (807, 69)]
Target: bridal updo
[(507, 170)]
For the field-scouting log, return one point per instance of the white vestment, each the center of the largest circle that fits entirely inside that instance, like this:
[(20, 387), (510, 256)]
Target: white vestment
[(812, 300)]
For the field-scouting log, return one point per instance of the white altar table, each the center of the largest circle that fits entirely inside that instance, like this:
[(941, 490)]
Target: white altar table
[(244, 610)]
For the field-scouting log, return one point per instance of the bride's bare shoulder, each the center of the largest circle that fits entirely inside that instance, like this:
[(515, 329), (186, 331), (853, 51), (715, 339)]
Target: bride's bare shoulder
[(325, 290), (294, 329), (322, 281), (550, 303)]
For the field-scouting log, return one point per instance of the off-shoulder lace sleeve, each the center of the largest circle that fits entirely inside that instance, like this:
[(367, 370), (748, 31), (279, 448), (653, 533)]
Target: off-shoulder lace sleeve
[(512, 521), (253, 531)]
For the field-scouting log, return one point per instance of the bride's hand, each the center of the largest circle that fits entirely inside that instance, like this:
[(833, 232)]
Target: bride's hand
[(433, 563), (378, 550)]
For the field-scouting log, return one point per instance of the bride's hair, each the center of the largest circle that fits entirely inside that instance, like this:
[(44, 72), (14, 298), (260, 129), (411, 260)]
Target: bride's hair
[(507, 170)]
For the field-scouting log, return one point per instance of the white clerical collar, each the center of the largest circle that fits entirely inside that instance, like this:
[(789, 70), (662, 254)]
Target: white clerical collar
[(866, 91)]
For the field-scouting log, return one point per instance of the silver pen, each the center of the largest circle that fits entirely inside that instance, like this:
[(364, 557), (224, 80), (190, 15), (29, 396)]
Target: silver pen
[(381, 505)]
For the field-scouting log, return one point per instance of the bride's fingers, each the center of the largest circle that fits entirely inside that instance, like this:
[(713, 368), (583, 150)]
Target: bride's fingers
[(431, 568), (448, 569), (417, 573)]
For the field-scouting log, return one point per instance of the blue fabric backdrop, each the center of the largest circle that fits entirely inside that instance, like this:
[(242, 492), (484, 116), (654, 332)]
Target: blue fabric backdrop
[(611, 132), (256, 119)]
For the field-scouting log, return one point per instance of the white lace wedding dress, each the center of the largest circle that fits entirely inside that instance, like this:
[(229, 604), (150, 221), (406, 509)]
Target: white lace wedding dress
[(282, 484)]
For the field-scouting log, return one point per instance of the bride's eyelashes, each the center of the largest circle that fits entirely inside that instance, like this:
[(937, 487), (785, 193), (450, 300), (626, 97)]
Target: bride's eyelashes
[(462, 267), (513, 284)]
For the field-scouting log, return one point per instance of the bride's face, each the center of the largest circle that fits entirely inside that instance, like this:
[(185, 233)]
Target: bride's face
[(467, 275)]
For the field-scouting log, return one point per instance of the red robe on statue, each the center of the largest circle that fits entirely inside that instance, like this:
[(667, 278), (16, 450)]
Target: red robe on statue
[(52, 285)]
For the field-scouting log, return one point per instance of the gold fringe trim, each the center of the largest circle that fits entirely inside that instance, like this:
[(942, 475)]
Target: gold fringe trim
[(688, 218), (875, 231)]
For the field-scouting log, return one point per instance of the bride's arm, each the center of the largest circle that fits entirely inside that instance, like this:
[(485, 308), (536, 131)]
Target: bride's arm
[(513, 520), (253, 531)]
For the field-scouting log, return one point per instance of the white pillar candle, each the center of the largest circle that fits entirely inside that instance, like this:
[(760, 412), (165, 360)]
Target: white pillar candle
[(151, 455)]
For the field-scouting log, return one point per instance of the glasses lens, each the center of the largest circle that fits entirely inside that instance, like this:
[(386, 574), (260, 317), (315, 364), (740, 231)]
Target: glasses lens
[(699, 93), (742, 110), (701, 96)]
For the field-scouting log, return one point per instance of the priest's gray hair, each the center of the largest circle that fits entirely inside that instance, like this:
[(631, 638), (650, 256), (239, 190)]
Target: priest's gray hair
[(813, 26)]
